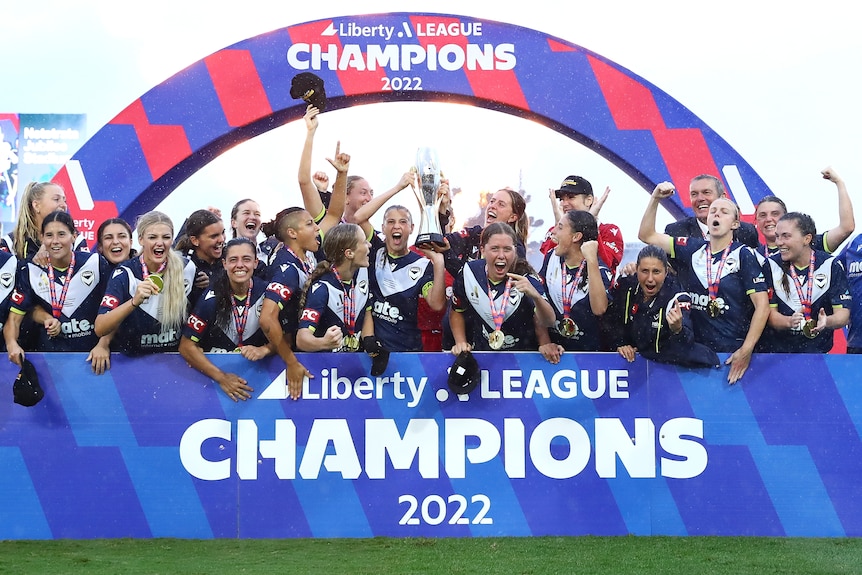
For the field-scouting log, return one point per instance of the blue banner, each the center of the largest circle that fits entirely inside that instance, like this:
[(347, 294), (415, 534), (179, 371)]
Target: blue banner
[(594, 445)]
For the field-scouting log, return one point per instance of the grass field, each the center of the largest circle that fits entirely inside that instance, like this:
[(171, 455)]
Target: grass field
[(382, 556)]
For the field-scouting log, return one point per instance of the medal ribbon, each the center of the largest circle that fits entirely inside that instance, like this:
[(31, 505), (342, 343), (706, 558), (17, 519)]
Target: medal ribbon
[(713, 285), (240, 319), (809, 286), (306, 267), (569, 294), (146, 273), (57, 304), (498, 315), (348, 315)]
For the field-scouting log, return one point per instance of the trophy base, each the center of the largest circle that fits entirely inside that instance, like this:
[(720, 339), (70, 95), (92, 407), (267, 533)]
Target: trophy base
[(430, 238)]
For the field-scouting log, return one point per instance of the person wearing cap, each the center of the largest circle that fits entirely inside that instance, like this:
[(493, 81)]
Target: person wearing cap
[(770, 209), (497, 303), (650, 315), (576, 193), (576, 284), (730, 304), (703, 190)]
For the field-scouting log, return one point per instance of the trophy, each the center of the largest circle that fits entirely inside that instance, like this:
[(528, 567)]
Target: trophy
[(428, 179)]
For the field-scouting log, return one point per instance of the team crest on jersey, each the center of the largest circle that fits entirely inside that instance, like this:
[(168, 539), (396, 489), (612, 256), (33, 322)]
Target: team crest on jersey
[(820, 280), (414, 272), (515, 296), (730, 264), (6, 279), (87, 276), (362, 286)]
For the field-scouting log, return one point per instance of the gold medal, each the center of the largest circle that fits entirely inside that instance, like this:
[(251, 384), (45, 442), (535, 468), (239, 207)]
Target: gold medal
[(568, 327), (351, 342), (808, 327), (713, 309), (496, 340)]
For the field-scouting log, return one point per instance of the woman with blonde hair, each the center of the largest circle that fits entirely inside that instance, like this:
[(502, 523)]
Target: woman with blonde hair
[(147, 298), (39, 200)]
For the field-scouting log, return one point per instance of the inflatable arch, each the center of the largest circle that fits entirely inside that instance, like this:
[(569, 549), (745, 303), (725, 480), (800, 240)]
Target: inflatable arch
[(239, 92)]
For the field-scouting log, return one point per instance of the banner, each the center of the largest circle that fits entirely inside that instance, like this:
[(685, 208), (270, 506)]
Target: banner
[(594, 445)]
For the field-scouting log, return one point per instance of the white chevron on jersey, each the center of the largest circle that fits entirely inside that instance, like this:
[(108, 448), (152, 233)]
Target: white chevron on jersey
[(393, 280), (731, 264), (477, 293), (554, 285), (84, 280), (822, 282)]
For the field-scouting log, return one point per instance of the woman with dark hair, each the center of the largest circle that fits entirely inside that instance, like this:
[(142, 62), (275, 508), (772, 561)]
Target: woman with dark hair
[(336, 294), (577, 284), (650, 311), (497, 302), (147, 298), (227, 319), (770, 209), (505, 206), (202, 241), (64, 297), (114, 241), (810, 295)]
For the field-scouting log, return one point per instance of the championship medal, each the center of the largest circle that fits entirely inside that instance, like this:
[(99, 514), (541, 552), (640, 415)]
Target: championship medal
[(808, 329), (805, 299), (713, 309), (568, 327), (496, 340), (351, 342)]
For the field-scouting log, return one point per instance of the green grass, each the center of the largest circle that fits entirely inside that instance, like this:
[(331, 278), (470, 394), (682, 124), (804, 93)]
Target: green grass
[(381, 556)]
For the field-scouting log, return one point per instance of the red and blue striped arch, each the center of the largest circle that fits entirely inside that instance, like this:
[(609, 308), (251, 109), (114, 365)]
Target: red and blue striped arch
[(161, 139)]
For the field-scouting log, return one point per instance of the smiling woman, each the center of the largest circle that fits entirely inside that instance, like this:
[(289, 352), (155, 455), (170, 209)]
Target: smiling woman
[(146, 299)]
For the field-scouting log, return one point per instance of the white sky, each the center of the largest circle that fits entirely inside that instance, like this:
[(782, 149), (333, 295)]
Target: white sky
[(780, 84)]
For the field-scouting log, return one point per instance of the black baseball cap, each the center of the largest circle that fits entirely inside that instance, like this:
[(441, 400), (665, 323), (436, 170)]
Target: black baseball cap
[(464, 375), (26, 389), (309, 87), (575, 185)]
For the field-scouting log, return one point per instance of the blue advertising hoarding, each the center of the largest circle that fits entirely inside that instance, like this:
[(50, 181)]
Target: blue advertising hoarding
[(594, 445)]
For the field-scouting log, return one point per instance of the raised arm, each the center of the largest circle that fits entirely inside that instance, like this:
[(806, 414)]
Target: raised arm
[(597, 292), (341, 163), (366, 212), (310, 196), (647, 232), (846, 222)]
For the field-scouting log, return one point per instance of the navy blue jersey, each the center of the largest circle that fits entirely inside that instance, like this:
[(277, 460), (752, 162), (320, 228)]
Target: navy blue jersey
[(287, 278), (851, 257), (324, 307), (586, 333), (643, 324), (829, 290), (80, 308), (464, 246), (470, 297), (8, 272), (741, 276), (201, 327), (141, 332), (396, 285)]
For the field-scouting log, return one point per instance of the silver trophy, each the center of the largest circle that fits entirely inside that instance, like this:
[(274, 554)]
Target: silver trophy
[(428, 182)]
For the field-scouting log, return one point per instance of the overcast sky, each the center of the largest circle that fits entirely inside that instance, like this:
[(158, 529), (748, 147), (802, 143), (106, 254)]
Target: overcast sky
[(781, 86)]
